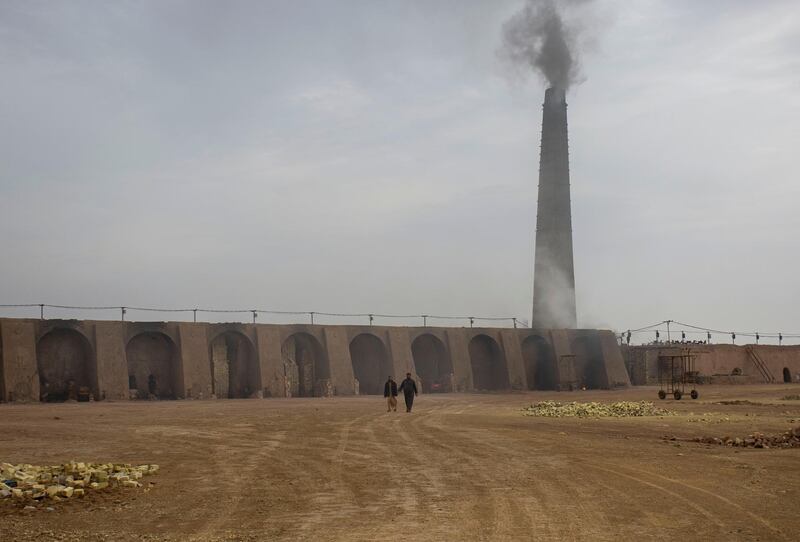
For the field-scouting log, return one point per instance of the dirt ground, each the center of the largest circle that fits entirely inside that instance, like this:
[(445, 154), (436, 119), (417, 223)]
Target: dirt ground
[(460, 467)]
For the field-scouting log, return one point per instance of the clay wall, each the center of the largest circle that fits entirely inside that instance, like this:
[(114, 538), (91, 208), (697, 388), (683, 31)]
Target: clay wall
[(2, 377), (724, 363), (21, 378), (45, 359)]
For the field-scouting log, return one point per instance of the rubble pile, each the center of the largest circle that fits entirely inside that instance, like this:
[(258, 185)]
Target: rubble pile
[(789, 439), (32, 482), (621, 409)]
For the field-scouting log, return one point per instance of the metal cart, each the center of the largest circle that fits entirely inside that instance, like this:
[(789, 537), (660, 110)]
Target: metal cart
[(675, 373)]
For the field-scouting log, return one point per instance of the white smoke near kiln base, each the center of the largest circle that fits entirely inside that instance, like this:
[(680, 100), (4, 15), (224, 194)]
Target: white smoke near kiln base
[(539, 37), (558, 299)]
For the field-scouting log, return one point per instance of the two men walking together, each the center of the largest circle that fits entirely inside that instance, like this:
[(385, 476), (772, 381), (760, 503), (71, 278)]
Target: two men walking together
[(390, 391)]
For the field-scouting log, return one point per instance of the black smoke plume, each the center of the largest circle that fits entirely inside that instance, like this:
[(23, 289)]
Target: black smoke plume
[(538, 37)]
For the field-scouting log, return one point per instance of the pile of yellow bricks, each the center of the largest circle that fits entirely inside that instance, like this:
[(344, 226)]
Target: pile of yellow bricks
[(33, 482)]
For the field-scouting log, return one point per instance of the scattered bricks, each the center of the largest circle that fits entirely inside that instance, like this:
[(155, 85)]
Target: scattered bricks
[(789, 439), (118, 477), (29, 482), (21, 476)]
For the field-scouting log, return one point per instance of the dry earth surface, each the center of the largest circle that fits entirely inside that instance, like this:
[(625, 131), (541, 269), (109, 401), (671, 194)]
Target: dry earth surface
[(460, 467)]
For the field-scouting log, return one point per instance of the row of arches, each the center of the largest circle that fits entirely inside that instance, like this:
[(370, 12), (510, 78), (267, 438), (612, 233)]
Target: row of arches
[(67, 368), (66, 365), (154, 366), (434, 367)]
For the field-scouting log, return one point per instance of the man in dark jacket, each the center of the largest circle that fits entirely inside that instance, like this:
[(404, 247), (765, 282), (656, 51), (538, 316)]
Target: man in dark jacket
[(409, 389), (390, 392)]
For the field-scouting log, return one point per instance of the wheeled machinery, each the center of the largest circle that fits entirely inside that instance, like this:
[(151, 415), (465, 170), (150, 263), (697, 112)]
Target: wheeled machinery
[(675, 373)]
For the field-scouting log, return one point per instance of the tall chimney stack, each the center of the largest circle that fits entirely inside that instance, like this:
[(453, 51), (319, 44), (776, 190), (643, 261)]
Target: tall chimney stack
[(554, 274)]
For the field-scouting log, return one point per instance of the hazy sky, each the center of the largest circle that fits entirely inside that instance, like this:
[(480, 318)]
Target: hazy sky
[(378, 156)]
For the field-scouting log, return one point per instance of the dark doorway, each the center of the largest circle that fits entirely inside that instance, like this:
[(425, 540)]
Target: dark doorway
[(433, 365), (371, 364), (234, 369), (787, 375), (64, 359), (489, 371), (589, 362), (540, 363), (306, 363), (152, 366)]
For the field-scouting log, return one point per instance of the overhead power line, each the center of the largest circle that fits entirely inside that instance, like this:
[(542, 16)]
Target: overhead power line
[(255, 312), (683, 328)]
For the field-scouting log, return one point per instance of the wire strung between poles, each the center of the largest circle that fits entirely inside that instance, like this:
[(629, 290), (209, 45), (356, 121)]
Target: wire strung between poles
[(124, 310)]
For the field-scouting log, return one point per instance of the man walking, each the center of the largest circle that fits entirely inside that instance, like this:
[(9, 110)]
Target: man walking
[(390, 392), (409, 389)]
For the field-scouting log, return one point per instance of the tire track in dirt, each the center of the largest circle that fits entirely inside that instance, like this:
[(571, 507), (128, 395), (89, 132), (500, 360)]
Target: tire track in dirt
[(337, 498), (699, 503), (289, 465), (553, 490), (493, 506), (395, 458), (233, 468), (641, 474), (617, 471), (423, 443), (696, 503), (563, 480)]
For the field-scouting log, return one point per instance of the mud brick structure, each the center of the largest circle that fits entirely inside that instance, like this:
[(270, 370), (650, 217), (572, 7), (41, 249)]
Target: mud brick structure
[(56, 360), (719, 363)]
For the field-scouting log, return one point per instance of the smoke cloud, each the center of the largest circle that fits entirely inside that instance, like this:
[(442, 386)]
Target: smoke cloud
[(538, 37), (557, 299)]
